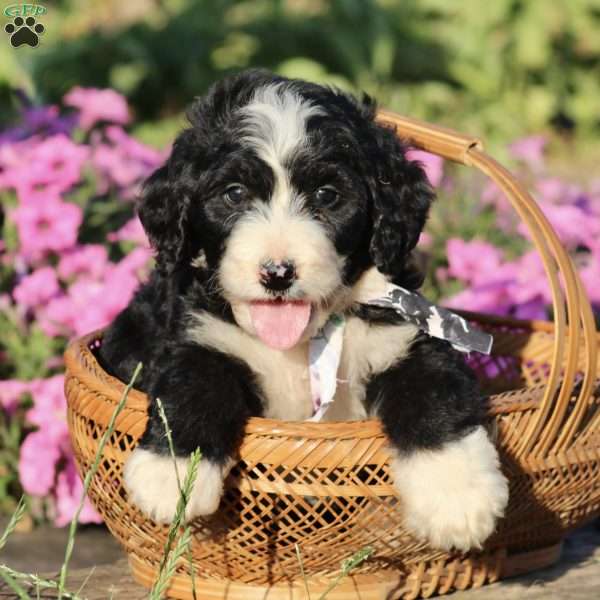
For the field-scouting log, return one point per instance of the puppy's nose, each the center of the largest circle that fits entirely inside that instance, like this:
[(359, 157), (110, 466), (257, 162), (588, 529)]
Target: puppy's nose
[(277, 277)]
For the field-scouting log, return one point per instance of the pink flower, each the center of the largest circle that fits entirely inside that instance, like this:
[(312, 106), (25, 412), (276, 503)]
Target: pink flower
[(49, 410), (530, 150), (103, 302), (37, 463), (124, 162), (551, 189), (57, 318), (492, 299), (590, 273), (132, 231), (116, 169), (45, 168), (535, 309), (87, 261), (134, 149), (11, 158), (425, 240), (572, 225), (69, 490), (433, 165), (51, 226), (37, 288), (517, 288), (89, 304), (98, 304), (472, 261), (531, 281), (135, 263), (11, 392), (96, 105)]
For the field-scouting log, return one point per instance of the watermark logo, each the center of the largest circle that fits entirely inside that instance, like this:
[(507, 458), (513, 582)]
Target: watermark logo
[(24, 28)]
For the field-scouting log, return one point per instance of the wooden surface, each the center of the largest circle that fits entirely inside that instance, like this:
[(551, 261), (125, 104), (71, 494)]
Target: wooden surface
[(575, 577)]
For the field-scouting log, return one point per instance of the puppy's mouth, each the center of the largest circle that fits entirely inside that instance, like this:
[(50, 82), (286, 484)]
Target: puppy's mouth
[(280, 323)]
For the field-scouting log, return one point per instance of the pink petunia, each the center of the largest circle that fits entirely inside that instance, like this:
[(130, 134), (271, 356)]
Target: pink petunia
[(116, 169), (135, 263), (96, 105), (132, 231), (11, 159), (69, 490), (133, 149), (472, 261), (87, 261), (11, 393), (38, 458), (492, 299), (590, 273), (573, 226), (58, 317), (37, 288), (425, 240), (531, 281), (45, 168), (433, 165), (49, 407), (51, 226), (123, 162), (535, 309), (89, 304), (102, 302), (530, 150)]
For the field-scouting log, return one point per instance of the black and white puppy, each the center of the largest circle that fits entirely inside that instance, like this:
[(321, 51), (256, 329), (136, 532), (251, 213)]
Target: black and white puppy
[(283, 203)]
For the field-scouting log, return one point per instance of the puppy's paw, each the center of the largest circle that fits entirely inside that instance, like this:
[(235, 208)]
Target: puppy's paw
[(452, 497), (151, 483)]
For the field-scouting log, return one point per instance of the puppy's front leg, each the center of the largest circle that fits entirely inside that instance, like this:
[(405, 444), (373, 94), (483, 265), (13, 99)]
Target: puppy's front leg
[(445, 468), (207, 398)]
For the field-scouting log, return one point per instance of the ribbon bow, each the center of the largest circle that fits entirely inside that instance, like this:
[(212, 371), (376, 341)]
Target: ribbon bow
[(325, 348)]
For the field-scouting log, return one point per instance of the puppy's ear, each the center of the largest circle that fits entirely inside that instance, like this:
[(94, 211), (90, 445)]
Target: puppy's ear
[(401, 196), (162, 209)]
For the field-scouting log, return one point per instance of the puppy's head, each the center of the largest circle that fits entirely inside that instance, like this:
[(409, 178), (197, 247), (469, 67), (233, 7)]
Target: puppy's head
[(286, 192)]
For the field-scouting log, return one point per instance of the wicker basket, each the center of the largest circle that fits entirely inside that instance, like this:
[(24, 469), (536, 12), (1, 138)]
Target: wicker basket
[(326, 487)]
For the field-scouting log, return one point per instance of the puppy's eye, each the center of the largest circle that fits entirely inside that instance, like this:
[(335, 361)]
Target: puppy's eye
[(326, 194), (235, 193)]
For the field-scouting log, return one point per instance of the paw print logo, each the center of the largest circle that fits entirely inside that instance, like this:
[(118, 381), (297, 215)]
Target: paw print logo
[(24, 31)]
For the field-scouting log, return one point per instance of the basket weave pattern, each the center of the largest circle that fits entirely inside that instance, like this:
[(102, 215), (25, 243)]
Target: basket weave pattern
[(326, 487)]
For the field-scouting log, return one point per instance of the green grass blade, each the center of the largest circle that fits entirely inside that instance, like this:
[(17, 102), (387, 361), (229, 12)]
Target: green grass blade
[(160, 586), (88, 479), (188, 484), (299, 556), (163, 418), (192, 571), (347, 566), (14, 585), (164, 574), (85, 581), (33, 580), (14, 521)]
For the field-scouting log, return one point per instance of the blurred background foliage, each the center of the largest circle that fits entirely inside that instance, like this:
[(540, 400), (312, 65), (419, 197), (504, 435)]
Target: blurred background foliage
[(498, 69)]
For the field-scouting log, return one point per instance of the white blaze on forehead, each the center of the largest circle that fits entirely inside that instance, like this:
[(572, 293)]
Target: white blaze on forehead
[(275, 126)]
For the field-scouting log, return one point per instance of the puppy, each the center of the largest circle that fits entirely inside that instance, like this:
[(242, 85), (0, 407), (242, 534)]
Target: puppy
[(280, 205)]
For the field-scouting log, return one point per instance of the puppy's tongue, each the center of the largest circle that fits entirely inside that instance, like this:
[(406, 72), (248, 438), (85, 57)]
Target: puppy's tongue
[(279, 324)]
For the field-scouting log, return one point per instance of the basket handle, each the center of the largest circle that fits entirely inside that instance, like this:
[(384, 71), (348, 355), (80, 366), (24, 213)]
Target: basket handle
[(573, 317)]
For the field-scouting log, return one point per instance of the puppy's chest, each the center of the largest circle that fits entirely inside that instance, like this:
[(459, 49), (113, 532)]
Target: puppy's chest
[(284, 377), (367, 350)]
